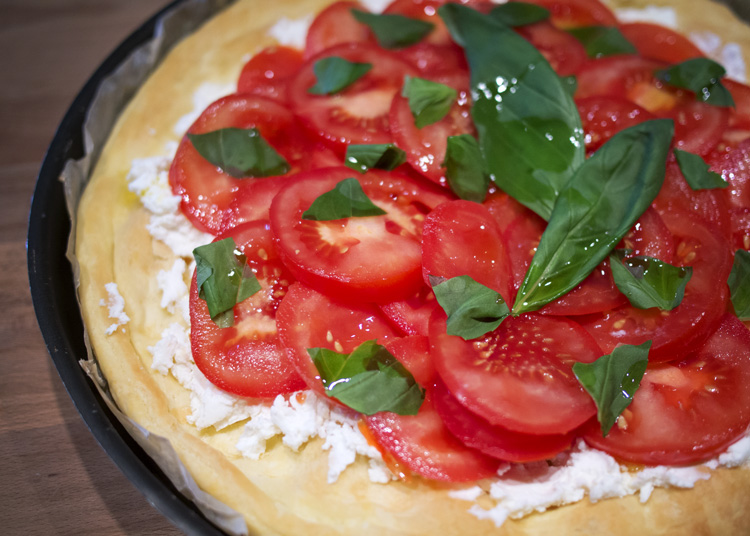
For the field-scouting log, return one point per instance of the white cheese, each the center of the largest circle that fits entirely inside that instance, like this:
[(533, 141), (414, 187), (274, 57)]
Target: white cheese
[(665, 16), (178, 233), (729, 55), (116, 304), (203, 96), (149, 180), (174, 291), (291, 32), (376, 6)]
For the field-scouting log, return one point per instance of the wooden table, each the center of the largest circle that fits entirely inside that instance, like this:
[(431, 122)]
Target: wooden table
[(55, 477)]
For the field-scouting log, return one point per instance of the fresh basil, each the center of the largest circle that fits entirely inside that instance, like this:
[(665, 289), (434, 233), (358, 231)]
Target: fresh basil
[(570, 83), (612, 380), (697, 173), (600, 41), (647, 282), (739, 284), (465, 168), (529, 128), (223, 279), (702, 76), (472, 308), (380, 156), (429, 101), (368, 380), (240, 152), (519, 13), (599, 205), (334, 74), (392, 30), (345, 200)]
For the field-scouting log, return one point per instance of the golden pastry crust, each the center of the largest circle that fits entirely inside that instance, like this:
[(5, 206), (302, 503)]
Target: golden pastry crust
[(285, 492)]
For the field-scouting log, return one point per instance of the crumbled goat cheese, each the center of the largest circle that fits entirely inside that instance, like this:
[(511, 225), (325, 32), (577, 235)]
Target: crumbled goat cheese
[(729, 55), (116, 304), (176, 231), (665, 16), (291, 32), (174, 291), (376, 6), (203, 96), (149, 180)]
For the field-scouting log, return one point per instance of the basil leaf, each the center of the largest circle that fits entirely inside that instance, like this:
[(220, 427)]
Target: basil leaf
[(346, 200), (223, 280), (465, 168), (612, 380), (570, 83), (739, 284), (649, 282), (472, 308), (368, 380), (519, 13), (702, 76), (334, 74), (392, 30), (600, 41), (529, 127), (429, 101), (599, 205), (697, 173), (380, 156), (239, 152)]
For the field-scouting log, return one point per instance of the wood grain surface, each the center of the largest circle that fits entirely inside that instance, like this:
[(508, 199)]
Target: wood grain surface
[(55, 478)]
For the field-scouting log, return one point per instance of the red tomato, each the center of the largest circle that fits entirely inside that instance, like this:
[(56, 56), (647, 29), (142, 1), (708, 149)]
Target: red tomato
[(308, 319), (690, 411), (651, 237), (268, 72), (496, 441), (206, 191), (425, 10), (603, 117), (575, 13), (252, 201), (615, 76), (247, 359), (741, 228), (423, 444), (445, 64), (375, 258), (359, 113), (659, 43), (675, 333), (412, 315), (413, 352), (741, 95), (462, 238), (520, 375), (698, 127), (564, 52), (336, 25), (734, 167)]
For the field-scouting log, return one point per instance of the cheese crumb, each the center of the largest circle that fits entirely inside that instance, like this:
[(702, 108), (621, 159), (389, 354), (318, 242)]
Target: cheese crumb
[(116, 304), (665, 16), (291, 32), (174, 291), (205, 94), (728, 55)]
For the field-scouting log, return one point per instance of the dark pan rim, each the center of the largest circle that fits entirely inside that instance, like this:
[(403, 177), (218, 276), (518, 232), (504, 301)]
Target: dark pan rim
[(58, 314)]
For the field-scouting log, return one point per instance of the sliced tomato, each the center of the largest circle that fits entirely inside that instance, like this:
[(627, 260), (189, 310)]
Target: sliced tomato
[(336, 25), (698, 127), (678, 332), (247, 359), (424, 445), (413, 352), (734, 167), (741, 95), (575, 13), (308, 319), (206, 191), (689, 411), (412, 315), (656, 42), (375, 258), (359, 113), (496, 441), (520, 375), (616, 76), (564, 52), (604, 116), (462, 238), (445, 64), (252, 201), (425, 10), (269, 71), (651, 237), (740, 228)]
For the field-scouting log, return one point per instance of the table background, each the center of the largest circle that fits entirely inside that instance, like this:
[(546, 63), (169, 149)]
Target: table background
[(55, 477)]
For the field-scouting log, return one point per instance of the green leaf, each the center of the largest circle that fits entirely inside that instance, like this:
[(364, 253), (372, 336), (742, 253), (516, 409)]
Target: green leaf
[(739, 284), (529, 128), (612, 380), (346, 200), (223, 279), (380, 156), (595, 210), (570, 83), (429, 101), (519, 13), (334, 74), (394, 31), (649, 282), (600, 41), (702, 76), (368, 380), (240, 152), (472, 308), (465, 168), (697, 172)]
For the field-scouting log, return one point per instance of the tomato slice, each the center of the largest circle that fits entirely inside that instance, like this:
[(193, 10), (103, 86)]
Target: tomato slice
[(520, 375), (741, 95), (689, 411), (564, 52), (462, 238), (412, 315), (269, 71), (375, 258), (604, 116), (247, 359), (336, 25), (359, 113), (741, 228), (659, 43), (414, 353), (734, 167), (698, 127), (679, 332), (496, 441), (575, 13), (308, 319), (425, 446), (206, 191), (616, 76)]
